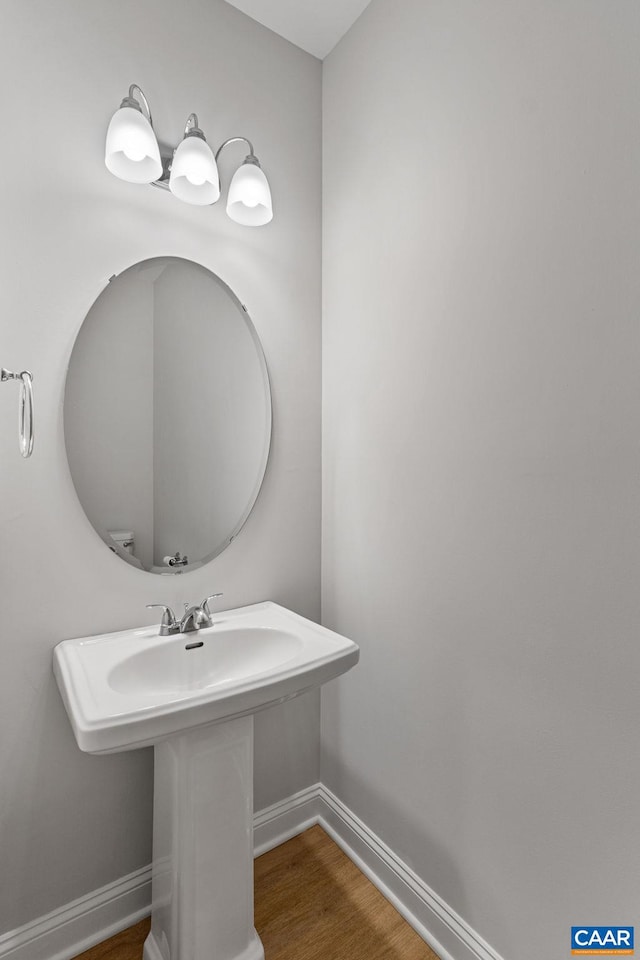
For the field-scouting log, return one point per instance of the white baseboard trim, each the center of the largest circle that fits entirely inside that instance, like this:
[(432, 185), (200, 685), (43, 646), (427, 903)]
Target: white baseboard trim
[(81, 924), (68, 931), (435, 921), (286, 819)]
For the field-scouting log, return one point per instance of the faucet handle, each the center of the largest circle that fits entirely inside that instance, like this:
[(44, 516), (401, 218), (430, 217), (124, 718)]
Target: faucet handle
[(168, 622), (205, 602)]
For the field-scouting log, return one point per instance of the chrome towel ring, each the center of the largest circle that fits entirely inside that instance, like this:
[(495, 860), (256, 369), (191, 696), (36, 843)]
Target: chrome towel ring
[(25, 408)]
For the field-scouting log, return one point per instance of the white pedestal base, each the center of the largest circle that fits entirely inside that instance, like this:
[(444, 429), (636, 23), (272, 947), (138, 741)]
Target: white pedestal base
[(203, 846)]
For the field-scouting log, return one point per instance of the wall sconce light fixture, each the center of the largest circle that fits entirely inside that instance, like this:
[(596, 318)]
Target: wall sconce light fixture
[(190, 171)]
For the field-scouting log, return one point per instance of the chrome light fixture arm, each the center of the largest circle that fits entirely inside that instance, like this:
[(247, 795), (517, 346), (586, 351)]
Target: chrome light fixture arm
[(192, 127), (133, 101), (166, 156), (251, 158)]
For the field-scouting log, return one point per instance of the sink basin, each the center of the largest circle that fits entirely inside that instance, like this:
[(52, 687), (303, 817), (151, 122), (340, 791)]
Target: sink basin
[(131, 689), (214, 658), (193, 696)]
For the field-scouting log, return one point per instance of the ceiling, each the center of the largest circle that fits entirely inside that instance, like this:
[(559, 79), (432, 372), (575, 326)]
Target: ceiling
[(314, 25)]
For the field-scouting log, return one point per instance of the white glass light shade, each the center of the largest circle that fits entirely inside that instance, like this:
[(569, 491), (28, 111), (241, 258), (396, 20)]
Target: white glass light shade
[(131, 151), (249, 200), (194, 172)]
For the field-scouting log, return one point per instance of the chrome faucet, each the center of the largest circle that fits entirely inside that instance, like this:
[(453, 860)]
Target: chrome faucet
[(195, 617), (168, 624)]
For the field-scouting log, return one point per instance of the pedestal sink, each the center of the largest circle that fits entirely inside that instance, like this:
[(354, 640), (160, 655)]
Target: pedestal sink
[(193, 697)]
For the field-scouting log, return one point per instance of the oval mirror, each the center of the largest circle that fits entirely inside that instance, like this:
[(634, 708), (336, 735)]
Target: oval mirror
[(167, 415)]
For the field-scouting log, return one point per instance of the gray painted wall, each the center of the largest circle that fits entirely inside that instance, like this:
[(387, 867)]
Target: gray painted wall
[(481, 418), (70, 822)]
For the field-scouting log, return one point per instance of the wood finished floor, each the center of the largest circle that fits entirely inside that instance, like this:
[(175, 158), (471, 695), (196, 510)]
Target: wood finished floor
[(311, 903)]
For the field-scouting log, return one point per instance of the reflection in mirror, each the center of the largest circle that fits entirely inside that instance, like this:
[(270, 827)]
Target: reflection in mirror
[(167, 415)]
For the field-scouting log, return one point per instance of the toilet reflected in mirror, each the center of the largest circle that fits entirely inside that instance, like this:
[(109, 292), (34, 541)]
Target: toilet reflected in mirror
[(167, 415)]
